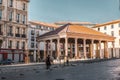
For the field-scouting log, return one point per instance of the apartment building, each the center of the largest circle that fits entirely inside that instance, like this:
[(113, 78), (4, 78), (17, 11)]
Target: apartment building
[(37, 28), (111, 28), (13, 29)]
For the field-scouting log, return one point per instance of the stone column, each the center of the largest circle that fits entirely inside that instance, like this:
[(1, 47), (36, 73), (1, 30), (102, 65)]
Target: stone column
[(71, 55), (38, 52), (58, 48), (84, 48), (106, 54), (76, 48), (100, 51), (91, 48), (113, 51), (97, 51), (51, 48), (45, 55), (66, 48), (34, 55)]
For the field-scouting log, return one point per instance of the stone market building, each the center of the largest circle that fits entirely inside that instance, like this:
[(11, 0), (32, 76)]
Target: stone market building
[(76, 41)]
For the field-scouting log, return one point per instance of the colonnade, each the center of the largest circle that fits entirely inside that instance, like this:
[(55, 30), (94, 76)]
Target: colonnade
[(94, 48)]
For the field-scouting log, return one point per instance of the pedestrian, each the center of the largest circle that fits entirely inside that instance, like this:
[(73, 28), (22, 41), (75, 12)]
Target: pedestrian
[(48, 62), (67, 61)]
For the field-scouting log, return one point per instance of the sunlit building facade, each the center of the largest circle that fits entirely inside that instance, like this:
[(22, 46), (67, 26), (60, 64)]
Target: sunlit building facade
[(13, 29)]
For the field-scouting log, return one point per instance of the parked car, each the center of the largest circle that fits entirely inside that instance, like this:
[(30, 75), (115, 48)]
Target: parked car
[(6, 62)]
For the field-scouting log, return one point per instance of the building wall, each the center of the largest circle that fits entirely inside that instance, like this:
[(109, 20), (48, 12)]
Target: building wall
[(14, 29), (113, 30), (35, 30)]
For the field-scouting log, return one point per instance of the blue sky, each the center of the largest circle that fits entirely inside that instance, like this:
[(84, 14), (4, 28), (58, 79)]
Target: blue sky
[(95, 11)]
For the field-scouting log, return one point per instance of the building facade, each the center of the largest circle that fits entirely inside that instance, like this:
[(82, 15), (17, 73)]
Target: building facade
[(111, 28), (13, 29), (37, 28)]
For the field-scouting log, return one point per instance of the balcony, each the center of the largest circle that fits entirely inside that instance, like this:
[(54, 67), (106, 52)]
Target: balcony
[(17, 47), (10, 47), (10, 19), (1, 33), (17, 35), (23, 47), (10, 34), (23, 35)]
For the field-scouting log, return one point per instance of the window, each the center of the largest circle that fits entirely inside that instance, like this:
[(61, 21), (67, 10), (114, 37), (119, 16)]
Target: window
[(0, 14), (23, 19), (112, 33), (112, 26), (18, 29), (17, 46), (1, 30), (32, 38), (105, 28), (18, 17), (23, 30), (98, 29), (32, 45), (10, 29), (23, 45), (24, 6), (0, 1), (32, 32), (10, 16), (10, 44), (11, 3)]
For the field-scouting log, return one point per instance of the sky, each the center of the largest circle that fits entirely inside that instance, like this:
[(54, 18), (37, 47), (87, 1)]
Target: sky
[(94, 11)]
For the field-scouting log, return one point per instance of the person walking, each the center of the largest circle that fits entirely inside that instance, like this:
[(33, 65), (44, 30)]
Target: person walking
[(48, 62)]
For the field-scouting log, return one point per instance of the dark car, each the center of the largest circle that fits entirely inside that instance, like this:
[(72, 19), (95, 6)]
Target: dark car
[(6, 62)]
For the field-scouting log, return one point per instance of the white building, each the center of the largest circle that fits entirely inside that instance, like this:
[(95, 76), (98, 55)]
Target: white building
[(111, 28), (35, 29)]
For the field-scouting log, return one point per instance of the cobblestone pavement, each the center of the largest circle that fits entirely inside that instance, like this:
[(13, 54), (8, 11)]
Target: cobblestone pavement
[(106, 70)]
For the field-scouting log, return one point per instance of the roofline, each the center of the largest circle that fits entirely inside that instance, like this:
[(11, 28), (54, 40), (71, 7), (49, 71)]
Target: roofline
[(107, 23), (24, 0), (43, 24), (62, 23)]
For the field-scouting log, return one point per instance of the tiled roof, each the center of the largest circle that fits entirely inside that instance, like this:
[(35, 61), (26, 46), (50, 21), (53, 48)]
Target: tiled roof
[(72, 28), (43, 24), (65, 22), (108, 23)]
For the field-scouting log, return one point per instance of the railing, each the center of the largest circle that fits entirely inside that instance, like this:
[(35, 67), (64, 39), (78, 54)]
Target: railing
[(17, 35), (10, 34), (23, 35), (17, 47)]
